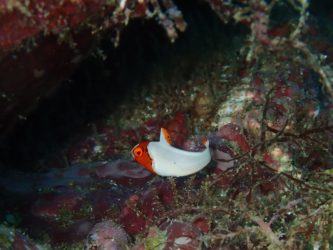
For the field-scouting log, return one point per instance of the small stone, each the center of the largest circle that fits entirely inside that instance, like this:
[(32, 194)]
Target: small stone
[(203, 104), (182, 235), (107, 235)]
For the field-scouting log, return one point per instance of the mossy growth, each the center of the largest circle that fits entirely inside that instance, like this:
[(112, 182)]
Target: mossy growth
[(156, 239)]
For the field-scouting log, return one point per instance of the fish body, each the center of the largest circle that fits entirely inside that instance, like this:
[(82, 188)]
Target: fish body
[(163, 159)]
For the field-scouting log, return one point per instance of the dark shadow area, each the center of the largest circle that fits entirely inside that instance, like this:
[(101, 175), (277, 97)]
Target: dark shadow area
[(321, 8)]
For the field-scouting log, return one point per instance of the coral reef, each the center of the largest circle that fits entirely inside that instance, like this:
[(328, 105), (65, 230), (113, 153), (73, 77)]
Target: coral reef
[(266, 107), (41, 43)]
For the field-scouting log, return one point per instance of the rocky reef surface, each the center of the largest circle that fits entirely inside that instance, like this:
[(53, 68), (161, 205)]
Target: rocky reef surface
[(260, 91)]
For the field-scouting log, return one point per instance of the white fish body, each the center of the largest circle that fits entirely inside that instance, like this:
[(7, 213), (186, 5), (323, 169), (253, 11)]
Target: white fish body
[(171, 161)]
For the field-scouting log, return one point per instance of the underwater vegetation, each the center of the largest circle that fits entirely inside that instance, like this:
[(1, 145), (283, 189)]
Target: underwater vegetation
[(261, 94)]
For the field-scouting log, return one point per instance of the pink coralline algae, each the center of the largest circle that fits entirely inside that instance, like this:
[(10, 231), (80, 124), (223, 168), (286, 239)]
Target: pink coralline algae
[(107, 235)]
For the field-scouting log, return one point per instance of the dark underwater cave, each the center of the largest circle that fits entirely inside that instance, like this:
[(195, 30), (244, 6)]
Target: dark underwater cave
[(98, 85)]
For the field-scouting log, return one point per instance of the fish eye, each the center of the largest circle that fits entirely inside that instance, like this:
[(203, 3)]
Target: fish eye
[(137, 152)]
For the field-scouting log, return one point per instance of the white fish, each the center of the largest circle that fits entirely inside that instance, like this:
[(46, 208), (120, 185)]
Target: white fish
[(163, 159)]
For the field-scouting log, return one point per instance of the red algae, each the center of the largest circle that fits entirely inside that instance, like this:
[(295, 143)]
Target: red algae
[(177, 129), (51, 205), (268, 117), (233, 133), (202, 223)]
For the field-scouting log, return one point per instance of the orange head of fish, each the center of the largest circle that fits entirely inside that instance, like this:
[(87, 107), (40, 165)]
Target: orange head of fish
[(141, 155)]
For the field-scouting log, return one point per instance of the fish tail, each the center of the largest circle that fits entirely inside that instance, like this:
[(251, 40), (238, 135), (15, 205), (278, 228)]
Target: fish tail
[(205, 141)]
